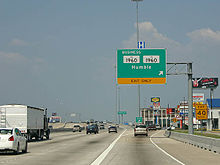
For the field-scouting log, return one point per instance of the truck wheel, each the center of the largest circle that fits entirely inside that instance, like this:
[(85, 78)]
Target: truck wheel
[(42, 136), (28, 137), (48, 134), (25, 149)]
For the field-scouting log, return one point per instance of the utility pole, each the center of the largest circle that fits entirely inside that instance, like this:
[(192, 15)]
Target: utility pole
[(168, 107), (116, 105), (119, 106)]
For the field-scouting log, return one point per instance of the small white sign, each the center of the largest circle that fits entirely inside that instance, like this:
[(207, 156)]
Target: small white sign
[(131, 59), (72, 114), (197, 97), (151, 59)]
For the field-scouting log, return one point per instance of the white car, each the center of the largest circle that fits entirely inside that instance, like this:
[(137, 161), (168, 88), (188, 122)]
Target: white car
[(140, 129), (11, 139), (77, 128), (158, 126)]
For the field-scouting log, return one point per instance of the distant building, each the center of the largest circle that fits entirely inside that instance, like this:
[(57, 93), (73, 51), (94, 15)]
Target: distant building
[(213, 114), (162, 116)]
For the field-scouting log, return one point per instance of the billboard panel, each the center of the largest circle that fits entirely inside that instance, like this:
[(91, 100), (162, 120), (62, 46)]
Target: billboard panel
[(205, 82), (155, 99)]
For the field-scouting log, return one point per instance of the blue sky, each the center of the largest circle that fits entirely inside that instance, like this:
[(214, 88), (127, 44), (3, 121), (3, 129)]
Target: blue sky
[(61, 54)]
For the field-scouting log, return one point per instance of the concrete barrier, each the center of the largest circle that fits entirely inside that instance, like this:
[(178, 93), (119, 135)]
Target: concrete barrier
[(206, 143), (61, 130)]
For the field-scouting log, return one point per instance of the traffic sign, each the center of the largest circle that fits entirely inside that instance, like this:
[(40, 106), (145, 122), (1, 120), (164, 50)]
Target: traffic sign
[(174, 120), (122, 112), (201, 115), (201, 107), (139, 119), (141, 66), (201, 112)]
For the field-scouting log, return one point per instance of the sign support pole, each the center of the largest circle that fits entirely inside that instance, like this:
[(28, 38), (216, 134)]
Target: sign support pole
[(190, 100)]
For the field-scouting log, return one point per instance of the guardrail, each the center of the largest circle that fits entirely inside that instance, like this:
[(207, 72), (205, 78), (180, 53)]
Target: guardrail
[(206, 143)]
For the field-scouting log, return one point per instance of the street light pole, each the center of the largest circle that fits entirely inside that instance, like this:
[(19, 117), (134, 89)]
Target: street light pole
[(139, 90)]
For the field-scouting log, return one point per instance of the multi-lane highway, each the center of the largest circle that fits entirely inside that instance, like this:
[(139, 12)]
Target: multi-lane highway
[(68, 148)]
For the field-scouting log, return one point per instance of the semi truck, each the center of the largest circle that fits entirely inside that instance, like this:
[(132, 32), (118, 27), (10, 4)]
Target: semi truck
[(31, 121)]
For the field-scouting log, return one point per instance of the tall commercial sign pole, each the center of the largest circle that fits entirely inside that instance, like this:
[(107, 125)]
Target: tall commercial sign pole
[(190, 98), (205, 83), (139, 90), (211, 97)]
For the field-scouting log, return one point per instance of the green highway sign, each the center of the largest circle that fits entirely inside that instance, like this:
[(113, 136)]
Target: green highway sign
[(139, 119), (122, 112), (141, 66)]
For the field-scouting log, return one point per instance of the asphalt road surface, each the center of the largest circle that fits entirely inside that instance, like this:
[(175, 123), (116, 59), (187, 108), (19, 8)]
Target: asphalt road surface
[(122, 148)]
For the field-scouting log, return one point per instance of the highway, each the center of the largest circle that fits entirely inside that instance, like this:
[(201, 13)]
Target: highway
[(122, 148)]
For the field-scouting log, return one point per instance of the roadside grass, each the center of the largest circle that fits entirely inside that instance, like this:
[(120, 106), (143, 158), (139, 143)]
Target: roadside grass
[(199, 133)]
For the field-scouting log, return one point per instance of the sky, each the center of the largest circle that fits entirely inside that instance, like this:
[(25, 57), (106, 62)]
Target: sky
[(60, 54)]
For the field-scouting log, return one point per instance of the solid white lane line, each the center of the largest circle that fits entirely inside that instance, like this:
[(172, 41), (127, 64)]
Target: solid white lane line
[(105, 153), (165, 151)]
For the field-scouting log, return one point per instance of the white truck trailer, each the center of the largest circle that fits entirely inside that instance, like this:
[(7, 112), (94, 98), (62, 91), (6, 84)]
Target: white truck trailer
[(31, 121)]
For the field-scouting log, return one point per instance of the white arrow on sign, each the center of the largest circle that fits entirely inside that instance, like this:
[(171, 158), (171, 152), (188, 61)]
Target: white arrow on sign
[(161, 73)]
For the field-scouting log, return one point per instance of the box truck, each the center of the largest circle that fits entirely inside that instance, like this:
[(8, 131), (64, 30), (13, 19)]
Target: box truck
[(31, 121)]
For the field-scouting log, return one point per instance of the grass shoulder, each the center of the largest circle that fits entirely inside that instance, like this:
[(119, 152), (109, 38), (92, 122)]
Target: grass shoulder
[(199, 133)]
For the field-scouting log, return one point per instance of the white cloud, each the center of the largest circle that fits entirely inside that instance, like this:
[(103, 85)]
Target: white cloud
[(35, 65), (18, 42), (148, 33), (202, 49), (12, 57), (204, 34)]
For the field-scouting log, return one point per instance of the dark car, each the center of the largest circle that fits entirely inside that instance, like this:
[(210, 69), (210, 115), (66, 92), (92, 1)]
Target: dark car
[(112, 129), (102, 126), (93, 128), (151, 127)]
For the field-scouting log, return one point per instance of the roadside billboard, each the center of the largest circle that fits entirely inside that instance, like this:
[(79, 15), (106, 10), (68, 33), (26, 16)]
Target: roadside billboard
[(170, 110), (205, 82), (155, 99), (156, 105)]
